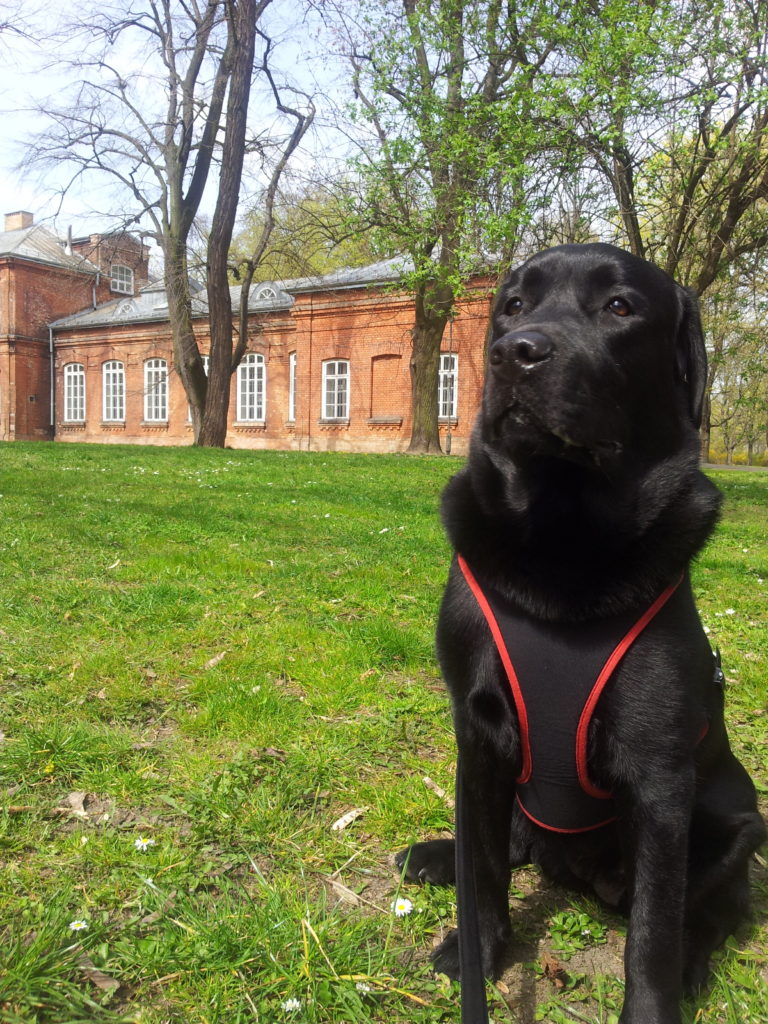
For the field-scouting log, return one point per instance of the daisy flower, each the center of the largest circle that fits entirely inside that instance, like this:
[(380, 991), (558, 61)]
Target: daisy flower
[(401, 907), (78, 926), (291, 1005), (143, 844)]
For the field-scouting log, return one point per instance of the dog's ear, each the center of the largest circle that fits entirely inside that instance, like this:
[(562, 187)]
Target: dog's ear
[(691, 354)]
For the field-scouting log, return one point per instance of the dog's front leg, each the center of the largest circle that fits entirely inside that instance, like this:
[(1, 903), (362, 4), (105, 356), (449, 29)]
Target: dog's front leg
[(487, 782), (653, 958)]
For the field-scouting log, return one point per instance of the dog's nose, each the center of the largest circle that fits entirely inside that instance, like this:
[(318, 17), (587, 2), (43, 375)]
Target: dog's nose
[(525, 348)]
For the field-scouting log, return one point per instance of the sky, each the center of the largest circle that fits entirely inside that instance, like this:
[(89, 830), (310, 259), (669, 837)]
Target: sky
[(27, 80)]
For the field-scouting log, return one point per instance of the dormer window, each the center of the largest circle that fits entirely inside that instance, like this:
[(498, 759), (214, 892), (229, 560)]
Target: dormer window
[(266, 292), (125, 308), (122, 279)]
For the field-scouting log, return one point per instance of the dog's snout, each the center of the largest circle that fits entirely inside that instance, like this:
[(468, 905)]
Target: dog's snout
[(522, 348)]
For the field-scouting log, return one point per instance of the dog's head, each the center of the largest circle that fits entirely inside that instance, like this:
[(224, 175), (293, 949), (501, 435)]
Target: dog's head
[(594, 354)]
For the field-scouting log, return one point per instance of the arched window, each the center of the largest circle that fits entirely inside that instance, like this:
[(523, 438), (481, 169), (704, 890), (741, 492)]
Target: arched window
[(123, 309), (122, 279), (74, 393), (447, 386), (251, 389), (336, 389), (113, 391), (266, 292), (155, 391)]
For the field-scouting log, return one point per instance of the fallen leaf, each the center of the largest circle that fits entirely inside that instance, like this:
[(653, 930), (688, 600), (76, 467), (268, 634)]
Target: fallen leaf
[(347, 818), (215, 660), (554, 971), (438, 791), (99, 978), (271, 752), (345, 895)]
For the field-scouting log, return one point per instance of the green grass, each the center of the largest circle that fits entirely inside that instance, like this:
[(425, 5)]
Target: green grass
[(223, 652)]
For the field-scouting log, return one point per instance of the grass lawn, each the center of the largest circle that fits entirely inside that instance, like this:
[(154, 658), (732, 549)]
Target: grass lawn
[(207, 658)]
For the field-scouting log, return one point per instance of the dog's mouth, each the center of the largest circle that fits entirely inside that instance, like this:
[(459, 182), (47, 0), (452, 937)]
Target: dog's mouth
[(527, 429)]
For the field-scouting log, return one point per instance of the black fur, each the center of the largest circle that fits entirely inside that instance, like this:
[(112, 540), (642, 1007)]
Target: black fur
[(582, 497)]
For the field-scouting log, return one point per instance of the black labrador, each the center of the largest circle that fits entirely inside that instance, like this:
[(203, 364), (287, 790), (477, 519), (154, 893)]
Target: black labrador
[(588, 705)]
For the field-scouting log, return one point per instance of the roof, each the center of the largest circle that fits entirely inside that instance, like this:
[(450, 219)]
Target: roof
[(40, 245), (151, 303), (352, 277)]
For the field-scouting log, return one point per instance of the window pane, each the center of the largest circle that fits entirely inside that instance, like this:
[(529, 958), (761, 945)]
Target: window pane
[(155, 390)]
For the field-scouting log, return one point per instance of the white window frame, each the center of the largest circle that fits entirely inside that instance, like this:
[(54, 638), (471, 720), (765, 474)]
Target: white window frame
[(74, 393), (156, 391), (448, 386), (113, 391), (121, 279), (336, 381), (292, 387), (252, 388)]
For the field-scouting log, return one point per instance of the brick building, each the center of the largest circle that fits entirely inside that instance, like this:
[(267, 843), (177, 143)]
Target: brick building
[(327, 363), (42, 279)]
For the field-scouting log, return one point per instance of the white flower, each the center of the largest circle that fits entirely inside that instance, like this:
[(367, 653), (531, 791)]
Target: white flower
[(362, 986), (730, 611), (291, 1005), (78, 926), (401, 907), (142, 844)]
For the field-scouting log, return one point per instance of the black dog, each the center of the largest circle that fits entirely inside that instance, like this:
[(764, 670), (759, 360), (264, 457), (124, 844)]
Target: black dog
[(574, 525)]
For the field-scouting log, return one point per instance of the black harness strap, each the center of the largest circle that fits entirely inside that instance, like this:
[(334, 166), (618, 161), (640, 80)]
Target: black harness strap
[(474, 1007)]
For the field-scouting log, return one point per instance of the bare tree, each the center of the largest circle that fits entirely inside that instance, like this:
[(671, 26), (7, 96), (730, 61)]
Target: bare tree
[(161, 101)]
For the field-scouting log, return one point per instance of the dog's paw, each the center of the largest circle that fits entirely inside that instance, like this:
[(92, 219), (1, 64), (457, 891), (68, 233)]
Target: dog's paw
[(696, 975), (445, 958), (433, 862)]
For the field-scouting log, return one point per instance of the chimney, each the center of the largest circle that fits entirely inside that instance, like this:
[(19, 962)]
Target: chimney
[(19, 220)]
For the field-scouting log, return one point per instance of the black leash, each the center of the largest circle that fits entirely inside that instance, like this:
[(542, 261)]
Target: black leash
[(474, 1007)]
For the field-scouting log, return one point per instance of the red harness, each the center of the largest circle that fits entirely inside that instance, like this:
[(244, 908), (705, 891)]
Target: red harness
[(560, 671)]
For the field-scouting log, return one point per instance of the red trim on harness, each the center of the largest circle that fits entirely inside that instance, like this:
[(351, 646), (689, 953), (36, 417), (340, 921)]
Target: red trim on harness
[(582, 733), (522, 715), (554, 828)]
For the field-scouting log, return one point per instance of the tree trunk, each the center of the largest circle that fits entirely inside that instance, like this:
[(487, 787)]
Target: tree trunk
[(433, 306), (186, 355), (705, 433), (242, 35)]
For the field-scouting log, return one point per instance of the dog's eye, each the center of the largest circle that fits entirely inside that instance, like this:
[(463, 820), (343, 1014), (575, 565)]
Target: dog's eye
[(513, 306), (618, 306)]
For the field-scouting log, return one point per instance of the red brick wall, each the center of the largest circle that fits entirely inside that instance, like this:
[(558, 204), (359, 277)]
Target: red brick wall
[(31, 296), (369, 328)]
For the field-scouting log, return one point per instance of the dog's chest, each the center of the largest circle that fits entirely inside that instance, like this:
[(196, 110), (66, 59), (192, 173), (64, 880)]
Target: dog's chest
[(557, 673)]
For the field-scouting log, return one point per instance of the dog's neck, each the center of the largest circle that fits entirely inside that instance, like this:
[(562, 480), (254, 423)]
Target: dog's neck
[(568, 542)]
